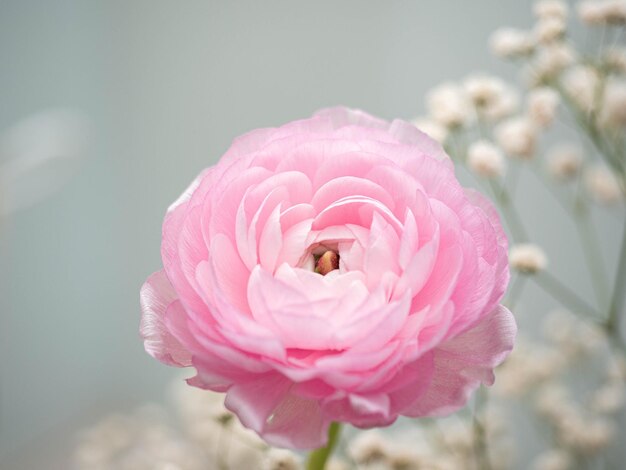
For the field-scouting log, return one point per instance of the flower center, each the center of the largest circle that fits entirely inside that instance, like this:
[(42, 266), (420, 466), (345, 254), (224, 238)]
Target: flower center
[(326, 262)]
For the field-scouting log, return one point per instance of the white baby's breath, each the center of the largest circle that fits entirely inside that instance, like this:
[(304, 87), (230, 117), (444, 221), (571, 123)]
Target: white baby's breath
[(580, 83), (602, 184), (511, 43), (517, 136), (564, 161), (448, 105), (541, 106), (282, 459), (550, 29), (549, 62), (550, 9), (369, 447), (527, 258), (485, 159), (599, 12)]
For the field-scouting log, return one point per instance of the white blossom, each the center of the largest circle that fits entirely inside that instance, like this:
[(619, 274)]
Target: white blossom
[(550, 61), (602, 184), (591, 437), (615, 59), (564, 161), (600, 12), (581, 84), (541, 106), (517, 136), (550, 9), (448, 105), (507, 104), (527, 258), (491, 96), (281, 459), (337, 464), (485, 159), (511, 42), (369, 447), (483, 89), (550, 29)]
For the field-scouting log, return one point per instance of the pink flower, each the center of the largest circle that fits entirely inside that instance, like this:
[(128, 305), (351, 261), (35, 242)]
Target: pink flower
[(332, 269)]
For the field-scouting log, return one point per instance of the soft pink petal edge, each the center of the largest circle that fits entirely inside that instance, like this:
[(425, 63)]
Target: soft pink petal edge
[(156, 295), (461, 364)]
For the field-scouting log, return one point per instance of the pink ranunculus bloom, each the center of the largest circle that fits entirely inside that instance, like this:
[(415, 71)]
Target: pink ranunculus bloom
[(332, 269)]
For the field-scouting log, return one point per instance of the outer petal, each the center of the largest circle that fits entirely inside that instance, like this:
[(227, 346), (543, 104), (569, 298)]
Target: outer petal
[(284, 419), (462, 363), (156, 296)]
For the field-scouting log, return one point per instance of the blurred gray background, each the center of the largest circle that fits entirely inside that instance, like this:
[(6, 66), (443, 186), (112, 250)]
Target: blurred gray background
[(166, 86)]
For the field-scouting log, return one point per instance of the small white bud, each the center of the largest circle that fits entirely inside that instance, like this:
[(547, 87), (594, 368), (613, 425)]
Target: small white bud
[(527, 258), (337, 464), (368, 447), (510, 43), (550, 29), (581, 83), (615, 59), (483, 89), (564, 161), (599, 12), (448, 105), (517, 136), (591, 13), (491, 96), (602, 184), (282, 459), (550, 61), (541, 106), (485, 159), (595, 436), (550, 9)]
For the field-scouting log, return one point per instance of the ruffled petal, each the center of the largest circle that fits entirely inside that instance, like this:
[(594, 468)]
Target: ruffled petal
[(268, 406), (155, 297), (464, 362)]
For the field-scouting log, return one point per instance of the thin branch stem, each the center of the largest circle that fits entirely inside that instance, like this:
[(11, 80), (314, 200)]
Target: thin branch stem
[(565, 295), (514, 221), (593, 255), (617, 298), (517, 287)]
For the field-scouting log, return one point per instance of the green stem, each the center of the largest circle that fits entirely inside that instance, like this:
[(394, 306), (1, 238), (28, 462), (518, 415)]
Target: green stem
[(565, 295), (593, 255), (588, 125), (515, 291), (617, 299), (317, 458), (514, 221)]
